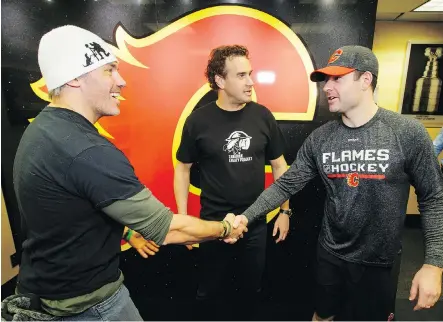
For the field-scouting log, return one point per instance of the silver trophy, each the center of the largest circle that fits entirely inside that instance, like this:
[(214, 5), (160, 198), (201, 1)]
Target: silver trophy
[(428, 87)]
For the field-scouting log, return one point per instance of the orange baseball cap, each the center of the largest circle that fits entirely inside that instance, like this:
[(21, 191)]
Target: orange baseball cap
[(345, 60)]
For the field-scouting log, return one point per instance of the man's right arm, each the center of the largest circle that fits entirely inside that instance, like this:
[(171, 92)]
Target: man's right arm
[(145, 214), (189, 230), (182, 181), (186, 154)]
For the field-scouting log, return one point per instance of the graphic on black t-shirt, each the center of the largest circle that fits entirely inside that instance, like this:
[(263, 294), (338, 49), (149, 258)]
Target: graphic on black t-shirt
[(238, 141)]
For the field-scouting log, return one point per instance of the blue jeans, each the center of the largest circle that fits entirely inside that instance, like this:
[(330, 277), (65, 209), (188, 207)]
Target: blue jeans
[(118, 307)]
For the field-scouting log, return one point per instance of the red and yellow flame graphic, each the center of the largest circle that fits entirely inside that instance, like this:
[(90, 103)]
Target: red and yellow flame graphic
[(353, 179), (165, 80)]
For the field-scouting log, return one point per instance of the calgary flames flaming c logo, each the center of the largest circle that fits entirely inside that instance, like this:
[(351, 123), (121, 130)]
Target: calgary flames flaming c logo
[(353, 179), (165, 80), (336, 55)]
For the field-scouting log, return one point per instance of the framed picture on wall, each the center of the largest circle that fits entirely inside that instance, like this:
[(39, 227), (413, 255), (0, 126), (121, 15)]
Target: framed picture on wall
[(421, 88)]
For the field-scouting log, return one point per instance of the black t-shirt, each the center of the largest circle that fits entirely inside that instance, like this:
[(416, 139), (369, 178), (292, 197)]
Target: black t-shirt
[(231, 149), (65, 172)]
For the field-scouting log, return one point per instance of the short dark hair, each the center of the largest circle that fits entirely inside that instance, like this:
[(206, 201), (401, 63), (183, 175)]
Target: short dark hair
[(359, 73), (217, 61)]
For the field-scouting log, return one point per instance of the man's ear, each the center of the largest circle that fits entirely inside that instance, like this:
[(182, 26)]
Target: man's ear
[(220, 81), (74, 83), (367, 80)]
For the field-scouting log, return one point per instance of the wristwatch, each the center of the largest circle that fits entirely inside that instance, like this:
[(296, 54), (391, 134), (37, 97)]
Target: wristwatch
[(286, 212)]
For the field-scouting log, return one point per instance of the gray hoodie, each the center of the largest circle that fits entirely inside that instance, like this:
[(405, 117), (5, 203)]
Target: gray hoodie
[(367, 172)]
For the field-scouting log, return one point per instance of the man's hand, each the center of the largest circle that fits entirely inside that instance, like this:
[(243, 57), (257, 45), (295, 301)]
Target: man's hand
[(143, 246), (240, 219), (427, 283), (239, 226), (282, 225)]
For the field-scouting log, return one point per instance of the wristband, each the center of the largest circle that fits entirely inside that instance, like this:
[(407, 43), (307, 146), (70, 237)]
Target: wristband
[(128, 235), (227, 228)]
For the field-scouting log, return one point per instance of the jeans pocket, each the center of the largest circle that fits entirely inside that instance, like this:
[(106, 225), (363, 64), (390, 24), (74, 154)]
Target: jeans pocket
[(107, 303), (90, 314)]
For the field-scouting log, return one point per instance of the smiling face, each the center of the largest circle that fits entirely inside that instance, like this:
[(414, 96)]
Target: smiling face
[(237, 82), (100, 89)]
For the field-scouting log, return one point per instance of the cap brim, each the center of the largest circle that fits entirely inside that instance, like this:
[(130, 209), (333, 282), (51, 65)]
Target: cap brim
[(319, 75)]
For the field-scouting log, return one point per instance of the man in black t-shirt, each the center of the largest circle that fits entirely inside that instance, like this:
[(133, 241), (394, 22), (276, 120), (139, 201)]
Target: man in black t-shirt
[(231, 139), (76, 191)]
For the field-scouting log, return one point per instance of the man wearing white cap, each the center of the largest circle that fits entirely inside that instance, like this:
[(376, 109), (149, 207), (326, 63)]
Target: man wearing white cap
[(76, 191)]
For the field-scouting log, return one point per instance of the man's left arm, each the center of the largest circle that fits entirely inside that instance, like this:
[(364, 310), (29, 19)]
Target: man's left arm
[(144, 247), (279, 166), (427, 179)]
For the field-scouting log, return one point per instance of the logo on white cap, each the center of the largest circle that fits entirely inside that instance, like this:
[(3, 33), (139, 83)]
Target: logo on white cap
[(97, 53)]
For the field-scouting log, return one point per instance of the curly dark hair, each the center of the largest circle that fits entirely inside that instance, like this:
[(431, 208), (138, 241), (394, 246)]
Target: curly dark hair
[(217, 61)]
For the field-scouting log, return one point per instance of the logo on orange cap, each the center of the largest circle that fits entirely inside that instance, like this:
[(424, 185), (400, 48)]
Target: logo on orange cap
[(336, 55)]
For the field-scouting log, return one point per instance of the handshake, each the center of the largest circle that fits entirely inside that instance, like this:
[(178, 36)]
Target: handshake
[(233, 228)]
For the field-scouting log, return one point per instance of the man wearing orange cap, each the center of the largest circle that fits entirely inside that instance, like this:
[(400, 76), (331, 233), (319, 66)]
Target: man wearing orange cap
[(367, 159)]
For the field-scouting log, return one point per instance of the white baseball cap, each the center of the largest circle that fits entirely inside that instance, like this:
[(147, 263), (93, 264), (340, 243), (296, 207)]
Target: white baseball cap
[(68, 52)]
